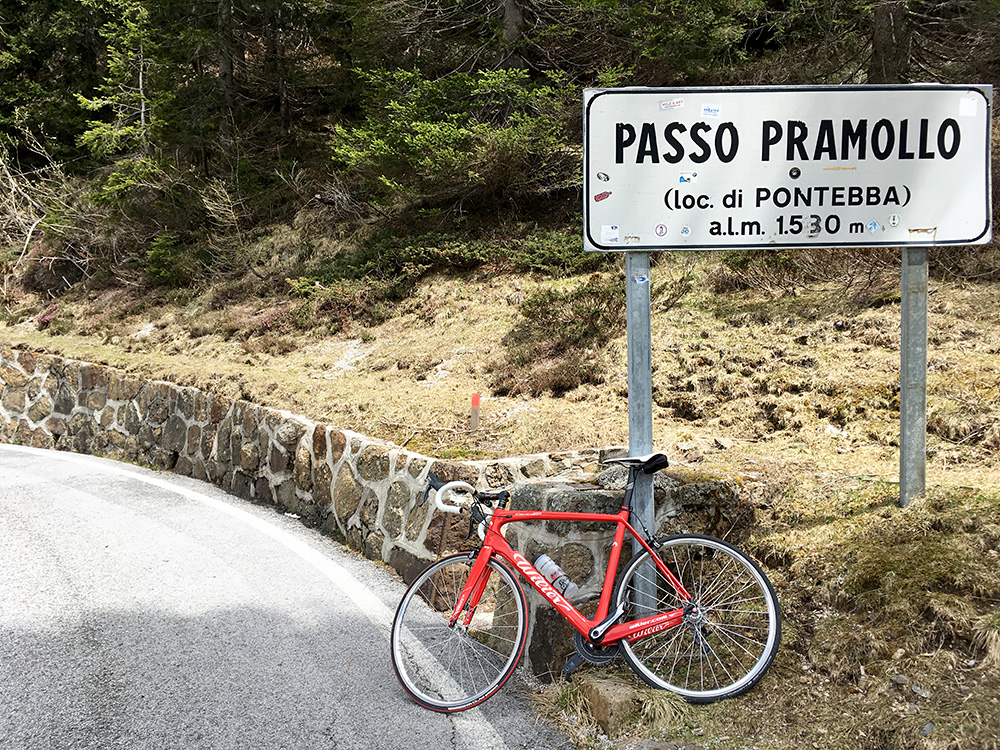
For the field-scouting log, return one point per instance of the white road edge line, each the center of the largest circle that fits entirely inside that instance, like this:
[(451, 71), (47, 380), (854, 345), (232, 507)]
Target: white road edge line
[(475, 728)]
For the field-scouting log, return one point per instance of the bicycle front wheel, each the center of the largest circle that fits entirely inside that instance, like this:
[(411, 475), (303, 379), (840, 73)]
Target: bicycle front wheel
[(731, 626), (451, 667)]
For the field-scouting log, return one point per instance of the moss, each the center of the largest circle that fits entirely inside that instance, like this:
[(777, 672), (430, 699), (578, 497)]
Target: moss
[(690, 475)]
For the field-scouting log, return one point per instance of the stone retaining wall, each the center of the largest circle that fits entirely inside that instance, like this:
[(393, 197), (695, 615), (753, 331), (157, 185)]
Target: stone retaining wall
[(358, 489), (362, 490)]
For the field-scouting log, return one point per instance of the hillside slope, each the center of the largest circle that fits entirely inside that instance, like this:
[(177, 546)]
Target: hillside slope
[(892, 631)]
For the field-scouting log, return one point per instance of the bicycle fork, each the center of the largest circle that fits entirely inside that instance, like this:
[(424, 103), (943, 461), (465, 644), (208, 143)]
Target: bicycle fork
[(472, 592)]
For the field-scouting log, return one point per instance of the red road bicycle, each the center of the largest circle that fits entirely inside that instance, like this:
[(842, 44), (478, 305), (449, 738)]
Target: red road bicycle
[(691, 614)]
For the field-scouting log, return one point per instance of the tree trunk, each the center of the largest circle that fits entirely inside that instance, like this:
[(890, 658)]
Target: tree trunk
[(276, 64), (225, 55), (513, 31), (891, 34)]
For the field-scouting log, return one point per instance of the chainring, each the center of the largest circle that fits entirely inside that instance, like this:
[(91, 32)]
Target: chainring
[(594, 654)]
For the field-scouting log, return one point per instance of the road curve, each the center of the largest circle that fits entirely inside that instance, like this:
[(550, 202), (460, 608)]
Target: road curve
[(145, 610)]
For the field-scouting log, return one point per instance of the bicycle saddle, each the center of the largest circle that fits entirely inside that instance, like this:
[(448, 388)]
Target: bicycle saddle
[(649, 464)]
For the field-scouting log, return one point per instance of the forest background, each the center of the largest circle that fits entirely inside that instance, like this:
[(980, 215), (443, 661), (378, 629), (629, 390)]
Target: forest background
[(155, 142), (366, 211)]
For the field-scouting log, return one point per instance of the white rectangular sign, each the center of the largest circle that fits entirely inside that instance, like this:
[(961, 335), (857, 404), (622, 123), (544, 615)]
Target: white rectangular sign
[(837, 166)]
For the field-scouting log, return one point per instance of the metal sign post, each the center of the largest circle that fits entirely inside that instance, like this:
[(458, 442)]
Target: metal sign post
[(640, 382), (913, 376), (640, 409)]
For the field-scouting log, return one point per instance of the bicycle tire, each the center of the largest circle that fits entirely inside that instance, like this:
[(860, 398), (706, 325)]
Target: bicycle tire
[(452, 668), (728, 638)]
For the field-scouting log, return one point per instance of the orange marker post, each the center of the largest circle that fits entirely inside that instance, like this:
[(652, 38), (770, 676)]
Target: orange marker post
[(474, 421)]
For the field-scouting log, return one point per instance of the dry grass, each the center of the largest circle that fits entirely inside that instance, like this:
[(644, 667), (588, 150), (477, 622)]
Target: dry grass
[(811, 376), (565, 708)]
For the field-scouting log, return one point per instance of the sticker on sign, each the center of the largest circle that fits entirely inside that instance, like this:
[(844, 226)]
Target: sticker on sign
[(844, 166)]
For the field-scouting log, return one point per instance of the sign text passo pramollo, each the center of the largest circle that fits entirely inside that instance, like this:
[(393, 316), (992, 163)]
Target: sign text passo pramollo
[(793, 140)]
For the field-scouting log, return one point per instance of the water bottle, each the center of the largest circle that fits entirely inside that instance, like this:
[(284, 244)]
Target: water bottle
[(555, 575)]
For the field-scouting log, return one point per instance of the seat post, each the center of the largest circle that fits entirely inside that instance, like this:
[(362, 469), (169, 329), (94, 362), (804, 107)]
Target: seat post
[(633, 472)]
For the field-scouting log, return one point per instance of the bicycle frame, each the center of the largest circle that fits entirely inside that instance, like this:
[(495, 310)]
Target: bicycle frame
[(495, 544)]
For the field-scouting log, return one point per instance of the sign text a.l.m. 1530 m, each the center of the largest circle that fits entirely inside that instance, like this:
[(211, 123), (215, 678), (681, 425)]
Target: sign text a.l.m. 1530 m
[(756, 167)]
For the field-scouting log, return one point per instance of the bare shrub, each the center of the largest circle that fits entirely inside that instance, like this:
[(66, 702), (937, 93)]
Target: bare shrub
[(860, 270), (970, 263), (563, 338), (51, 224), (338, 202)]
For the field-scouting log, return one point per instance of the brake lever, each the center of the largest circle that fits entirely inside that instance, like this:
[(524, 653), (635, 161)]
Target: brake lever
[(432, 483)]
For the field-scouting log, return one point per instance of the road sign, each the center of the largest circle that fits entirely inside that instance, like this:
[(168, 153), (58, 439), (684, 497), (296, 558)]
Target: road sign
[(853, 166)]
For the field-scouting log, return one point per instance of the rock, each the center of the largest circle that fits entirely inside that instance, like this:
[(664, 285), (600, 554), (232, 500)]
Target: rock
[(395, 508), (174, 434), (289, 433), (40, 410), (338, 442), (302, 468), (612, 451), (278, 459), (249, 457), (614, 705), (322, 485), (408, 565), (551, 642), (615, 477), (186, 402), (499, 476), (724, 443), (319, 442), (65, 401), (369, 507), (449, 533), (16, 401), (13, 377), (373, 546), (533, 469), (346, 494), (285, 495), (158, 411), (373, 464), (193, 438), (900, 680), (576, 561), (928, 728), (919, 691), (27, 360)]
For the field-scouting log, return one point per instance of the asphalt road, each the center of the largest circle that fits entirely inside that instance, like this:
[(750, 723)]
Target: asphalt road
[(144, 610)]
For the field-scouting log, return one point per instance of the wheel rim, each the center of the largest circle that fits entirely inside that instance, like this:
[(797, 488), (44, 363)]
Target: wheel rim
[(730, 628), (450, 668)]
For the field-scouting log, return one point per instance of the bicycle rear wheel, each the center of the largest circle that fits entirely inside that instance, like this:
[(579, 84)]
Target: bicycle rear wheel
[(447, 667), (731, 626)]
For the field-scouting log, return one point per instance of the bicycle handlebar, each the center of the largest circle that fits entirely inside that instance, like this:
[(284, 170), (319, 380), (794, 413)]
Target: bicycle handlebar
[(441, 488), (440, 493)]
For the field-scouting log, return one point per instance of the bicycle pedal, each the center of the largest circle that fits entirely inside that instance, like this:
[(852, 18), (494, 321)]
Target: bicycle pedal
[(572, 664)]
